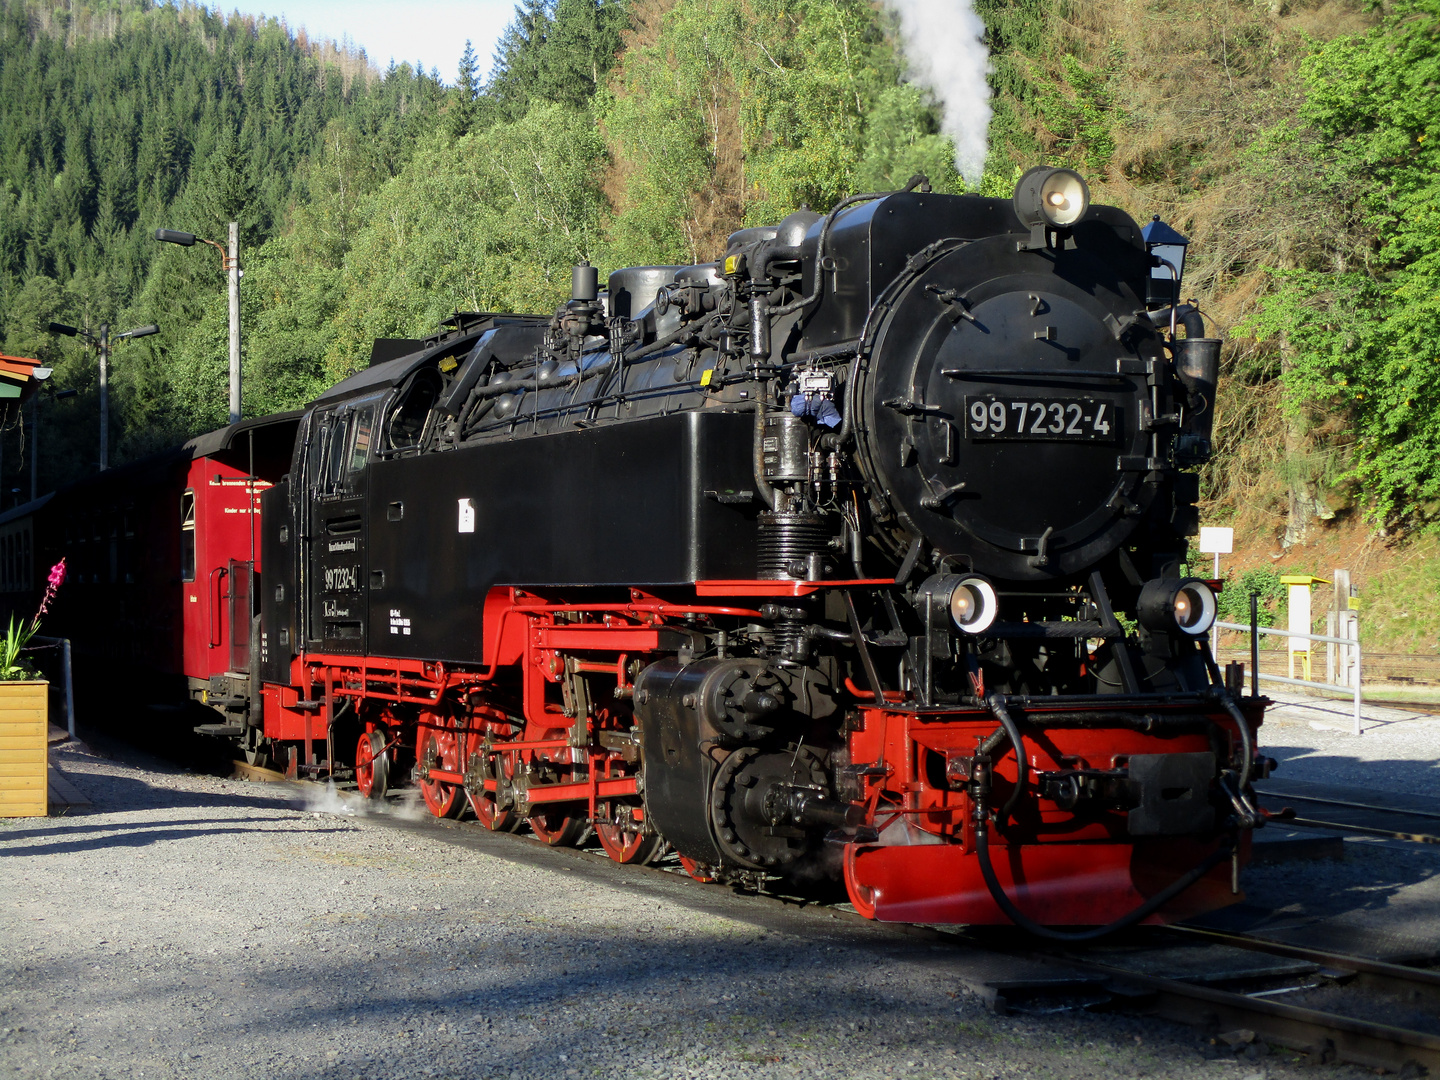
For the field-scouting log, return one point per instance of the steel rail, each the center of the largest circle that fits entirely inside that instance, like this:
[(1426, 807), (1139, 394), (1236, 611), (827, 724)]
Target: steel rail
[(1310, 1031), (1409, 983), (1361, 830), (1398, 811)]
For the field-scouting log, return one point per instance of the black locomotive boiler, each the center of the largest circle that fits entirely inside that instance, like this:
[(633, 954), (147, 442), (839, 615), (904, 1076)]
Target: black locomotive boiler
[(859, 551)]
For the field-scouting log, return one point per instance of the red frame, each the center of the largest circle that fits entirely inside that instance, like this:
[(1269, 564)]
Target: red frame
[(1055, 873)]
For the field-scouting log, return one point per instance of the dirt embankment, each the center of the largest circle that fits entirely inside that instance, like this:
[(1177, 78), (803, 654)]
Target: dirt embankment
[(1398, 581)]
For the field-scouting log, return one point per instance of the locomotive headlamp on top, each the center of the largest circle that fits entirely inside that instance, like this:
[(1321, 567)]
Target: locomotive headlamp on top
[(1048, 198), (968, 600), (1186, 605)]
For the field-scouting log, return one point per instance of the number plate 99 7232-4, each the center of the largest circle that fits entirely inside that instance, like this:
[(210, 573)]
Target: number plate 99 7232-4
[(1069, 419)]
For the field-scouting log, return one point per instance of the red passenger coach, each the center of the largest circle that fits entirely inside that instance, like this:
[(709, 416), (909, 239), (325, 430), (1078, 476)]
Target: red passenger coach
[(161, 557)]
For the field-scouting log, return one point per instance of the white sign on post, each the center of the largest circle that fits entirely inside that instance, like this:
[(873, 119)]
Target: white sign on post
[(1217, 541)]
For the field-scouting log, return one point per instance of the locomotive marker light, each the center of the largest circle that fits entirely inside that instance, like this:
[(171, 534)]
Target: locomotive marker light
[(102, 340), (1184, 604), (1048, 198), (969, 600), (1167, 267), (230, 261)]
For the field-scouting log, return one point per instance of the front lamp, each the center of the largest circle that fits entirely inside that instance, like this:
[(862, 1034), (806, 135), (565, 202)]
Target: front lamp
[(968, 599), (1051, 198), (1183, 605)]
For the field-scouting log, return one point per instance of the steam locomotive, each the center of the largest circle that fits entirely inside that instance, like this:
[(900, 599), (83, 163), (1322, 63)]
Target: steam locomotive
[(858, 552)]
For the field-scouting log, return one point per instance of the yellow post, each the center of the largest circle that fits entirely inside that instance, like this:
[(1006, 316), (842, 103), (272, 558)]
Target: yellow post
[(24, 740), (1299, 623)]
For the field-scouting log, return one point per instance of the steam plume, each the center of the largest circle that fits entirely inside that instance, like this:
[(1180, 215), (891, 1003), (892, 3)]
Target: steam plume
[(945, 50)]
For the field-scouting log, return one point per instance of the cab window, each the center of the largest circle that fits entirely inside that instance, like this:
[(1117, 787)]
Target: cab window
[(363, 428), (412, 408)]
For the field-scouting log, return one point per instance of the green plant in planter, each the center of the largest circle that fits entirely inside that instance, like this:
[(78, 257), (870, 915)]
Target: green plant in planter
[(17, 637)]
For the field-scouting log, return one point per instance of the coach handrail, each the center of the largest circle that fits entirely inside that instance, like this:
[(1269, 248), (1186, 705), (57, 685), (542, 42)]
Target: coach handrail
[(1353, 643), (214, 601)]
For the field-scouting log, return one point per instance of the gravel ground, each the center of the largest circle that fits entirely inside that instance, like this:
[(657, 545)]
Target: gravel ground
[(191, 926), (1311, 738), (1383, 897)]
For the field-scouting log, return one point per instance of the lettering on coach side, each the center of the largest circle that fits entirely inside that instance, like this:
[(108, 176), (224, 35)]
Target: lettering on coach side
[(398, 623)]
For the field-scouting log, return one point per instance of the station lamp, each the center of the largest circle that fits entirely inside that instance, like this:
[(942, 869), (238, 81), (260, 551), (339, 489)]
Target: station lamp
[(102, 339), (230, 263)]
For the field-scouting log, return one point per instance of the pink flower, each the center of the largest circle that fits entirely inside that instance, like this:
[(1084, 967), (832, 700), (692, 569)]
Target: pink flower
[(53, 583)]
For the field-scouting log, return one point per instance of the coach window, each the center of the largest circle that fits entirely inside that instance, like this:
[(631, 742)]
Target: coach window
[(187, 535)]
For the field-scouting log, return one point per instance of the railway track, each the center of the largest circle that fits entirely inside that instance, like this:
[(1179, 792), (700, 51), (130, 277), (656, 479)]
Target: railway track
[(1375, 819), (1325, 1009), (1429, 708), (1322, 1004)]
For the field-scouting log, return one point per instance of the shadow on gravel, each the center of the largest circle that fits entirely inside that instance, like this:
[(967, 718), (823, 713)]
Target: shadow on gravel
[(1303, 763), (142, 834), (511, 997), (117, 794)]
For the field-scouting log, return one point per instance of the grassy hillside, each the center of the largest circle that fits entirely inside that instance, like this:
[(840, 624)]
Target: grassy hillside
[(1291, 140)]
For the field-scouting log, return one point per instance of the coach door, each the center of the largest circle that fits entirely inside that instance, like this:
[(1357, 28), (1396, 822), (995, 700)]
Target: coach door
[(335, 473)]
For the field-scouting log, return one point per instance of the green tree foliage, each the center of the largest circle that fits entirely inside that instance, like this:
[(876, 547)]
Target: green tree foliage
[(555, 51), (1234, 600), (1360, 319), (902, 138), (126, 116), (491, 223), (728, 112), (464, 94)]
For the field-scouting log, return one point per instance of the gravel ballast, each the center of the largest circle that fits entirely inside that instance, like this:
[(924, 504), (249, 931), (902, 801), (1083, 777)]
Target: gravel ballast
[(191, 926), (1311, 737)]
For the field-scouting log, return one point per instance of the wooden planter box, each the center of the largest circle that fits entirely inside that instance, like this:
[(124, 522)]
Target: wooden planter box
[(24, 765)]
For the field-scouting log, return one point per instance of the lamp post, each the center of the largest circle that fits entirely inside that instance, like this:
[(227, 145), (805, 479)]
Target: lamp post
[(103, 340), (230, 260), (55, 395)]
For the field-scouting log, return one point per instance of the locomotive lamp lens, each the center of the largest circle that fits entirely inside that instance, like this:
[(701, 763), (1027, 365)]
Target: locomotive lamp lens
[(1186, 605), (1195, 608), (1066, 197), (1056, 198), (973, 605)]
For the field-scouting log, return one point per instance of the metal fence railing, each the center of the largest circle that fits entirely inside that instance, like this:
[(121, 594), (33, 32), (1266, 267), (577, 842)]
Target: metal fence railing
[(1353, 644)]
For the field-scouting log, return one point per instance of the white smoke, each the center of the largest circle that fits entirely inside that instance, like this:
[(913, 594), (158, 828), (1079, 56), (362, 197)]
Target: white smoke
[(944, 44)]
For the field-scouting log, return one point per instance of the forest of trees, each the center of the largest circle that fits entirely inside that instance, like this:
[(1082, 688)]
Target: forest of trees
[(1290, 139)]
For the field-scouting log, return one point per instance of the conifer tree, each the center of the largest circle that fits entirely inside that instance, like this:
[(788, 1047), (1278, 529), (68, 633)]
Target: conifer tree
[(463, 95)]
